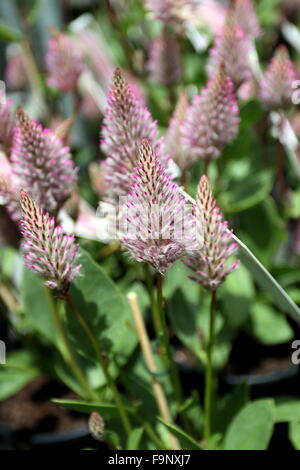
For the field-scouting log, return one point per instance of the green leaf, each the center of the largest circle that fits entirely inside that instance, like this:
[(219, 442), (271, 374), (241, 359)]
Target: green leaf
[(229, 405), (107, 411), (186, 441), (294, 434), (237, 295), (106, 312), (134, 439), (252, 427), (287, 409), (247, 192), (9, 34), (269, 326), (19, 370)]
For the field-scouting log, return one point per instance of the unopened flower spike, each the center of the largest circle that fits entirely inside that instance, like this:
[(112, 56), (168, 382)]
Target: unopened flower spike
[(48, 251), (212, 119), (64, 62), (277, 85), (164, 61), (158, 226), (232, 48), (209, 261), (126, 122), (42, 164)]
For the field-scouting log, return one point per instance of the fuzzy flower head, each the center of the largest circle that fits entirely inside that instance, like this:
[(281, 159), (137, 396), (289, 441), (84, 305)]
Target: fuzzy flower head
[(126, 122), (64, 62), (245, 16), (277, 85), (48, 251), (174, 134), (209, 262), (212, 120), (164, 61), (232, 48), (7, 127), (158, 227), (15, 73), (42, 164)]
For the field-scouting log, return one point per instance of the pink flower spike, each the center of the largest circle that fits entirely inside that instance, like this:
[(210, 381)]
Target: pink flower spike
[(245, 16), (276, 87), (126, 123), (39, 164), (156, 234), (48, 254), (64, 62), (164, 61), (212, 120), (208, 262)]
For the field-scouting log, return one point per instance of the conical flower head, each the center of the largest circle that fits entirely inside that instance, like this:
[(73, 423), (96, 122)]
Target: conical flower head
[(64, 62), (277, 85), (42, 164), (174, 134), (232, 48), (164, 61), (244, 15), (6, 124), (126, 122), (209, 262), (48, 251), (212, 119), (158, 226)]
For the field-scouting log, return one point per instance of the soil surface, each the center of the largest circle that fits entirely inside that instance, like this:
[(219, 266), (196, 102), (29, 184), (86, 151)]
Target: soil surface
[(31, 409)]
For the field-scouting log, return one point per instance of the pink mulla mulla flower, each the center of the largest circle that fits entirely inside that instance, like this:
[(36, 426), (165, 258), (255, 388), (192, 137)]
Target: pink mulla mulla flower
[(276, 87), (7, 126), (174, 134), (42, 164), (126, 122), (209, 261), (64, 62), (245, 16), (232, 48), (48, 251), (164, 65), (212, 119), (158, 226)]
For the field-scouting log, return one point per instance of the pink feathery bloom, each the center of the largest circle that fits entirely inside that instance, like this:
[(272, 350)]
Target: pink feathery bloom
[(48, 251), (42, 164), (174, 134), (158, 226), (276, 87), (126, 122), (7, 127), (232, 48), (64, 62), (212, 119), (209, 262), (15, 73), (164, 65), (244, 15)]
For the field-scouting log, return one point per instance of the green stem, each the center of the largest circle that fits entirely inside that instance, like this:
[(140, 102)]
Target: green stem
[(66, 349), (164, 336), (209, 371), (94, 342)]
